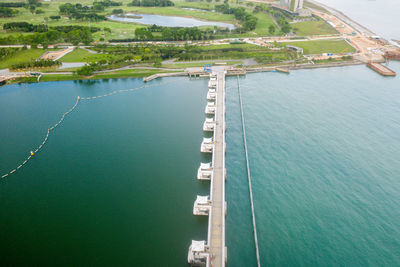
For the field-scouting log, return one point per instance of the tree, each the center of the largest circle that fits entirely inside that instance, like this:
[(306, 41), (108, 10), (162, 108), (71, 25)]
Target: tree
[(85, 71), (285, 28), (271, 29)]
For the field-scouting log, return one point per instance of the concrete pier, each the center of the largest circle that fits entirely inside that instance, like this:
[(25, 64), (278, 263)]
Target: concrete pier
[(381, 69), (216, 228)]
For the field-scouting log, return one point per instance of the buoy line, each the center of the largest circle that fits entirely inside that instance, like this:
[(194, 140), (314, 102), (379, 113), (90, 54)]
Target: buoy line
[(52, 128), (249, 178)]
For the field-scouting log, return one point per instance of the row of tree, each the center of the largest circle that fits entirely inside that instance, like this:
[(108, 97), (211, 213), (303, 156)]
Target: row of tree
[(24, 27), (35, 64), (50, 37), (6, 12), (13, 4), (78, 11), (172, 34), (28, 27)]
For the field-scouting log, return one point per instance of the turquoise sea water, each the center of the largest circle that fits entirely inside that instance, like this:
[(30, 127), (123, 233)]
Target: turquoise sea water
[(324, 151), (116, 182)]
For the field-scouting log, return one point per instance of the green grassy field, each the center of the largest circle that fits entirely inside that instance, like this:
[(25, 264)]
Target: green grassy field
[(335, 46), (263, 23), (22, 56), (81, 55), (319, 27)]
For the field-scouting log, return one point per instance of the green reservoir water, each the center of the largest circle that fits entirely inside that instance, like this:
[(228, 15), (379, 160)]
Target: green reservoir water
[(324, 151), (116, 182)]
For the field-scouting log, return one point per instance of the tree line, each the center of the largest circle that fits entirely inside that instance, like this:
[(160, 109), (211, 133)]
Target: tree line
[(28, 27), (13, 4), (6, 8), (35, 64), (78, 11), (50, 37)]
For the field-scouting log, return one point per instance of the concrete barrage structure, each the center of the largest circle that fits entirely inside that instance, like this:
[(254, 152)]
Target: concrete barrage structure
[(213, 251)]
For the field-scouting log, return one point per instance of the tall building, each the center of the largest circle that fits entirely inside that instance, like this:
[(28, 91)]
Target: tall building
[(292, 5)]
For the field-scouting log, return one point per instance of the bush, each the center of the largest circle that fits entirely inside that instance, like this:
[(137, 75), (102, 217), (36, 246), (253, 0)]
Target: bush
[(85, 71), (6, 12), (117, 11)]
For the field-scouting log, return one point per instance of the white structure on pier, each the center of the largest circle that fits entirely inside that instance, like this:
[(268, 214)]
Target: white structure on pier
[(210, 108), (212, 84), (205, 171), (211, 94), (198, 254), (207, 146), (202, 205), (209, 125)]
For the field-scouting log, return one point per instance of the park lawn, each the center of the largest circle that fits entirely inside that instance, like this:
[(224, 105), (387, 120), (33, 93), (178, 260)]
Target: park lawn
[(263, 23), (198, 5), (335, 46), (81, 55), (307, 28), (22, 56)]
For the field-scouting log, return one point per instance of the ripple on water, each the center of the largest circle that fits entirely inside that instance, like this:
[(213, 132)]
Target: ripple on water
[(324, 150)]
